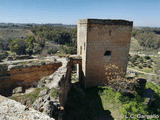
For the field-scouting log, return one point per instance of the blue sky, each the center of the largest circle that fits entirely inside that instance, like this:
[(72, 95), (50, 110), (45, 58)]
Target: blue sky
[(142, 12)]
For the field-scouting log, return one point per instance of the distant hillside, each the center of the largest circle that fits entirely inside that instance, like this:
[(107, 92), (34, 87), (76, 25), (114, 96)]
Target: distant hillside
[(9, 34), (145, 39), (30, 25), (63, 37), (38, 38)]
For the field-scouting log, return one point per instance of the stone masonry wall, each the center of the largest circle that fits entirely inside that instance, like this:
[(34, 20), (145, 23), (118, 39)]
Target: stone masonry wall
[(110, 37), (61, 79), (81, 50), (26, 75)]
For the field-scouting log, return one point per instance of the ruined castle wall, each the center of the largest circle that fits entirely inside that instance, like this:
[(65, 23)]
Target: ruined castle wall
[(61, 79), (26, 76)]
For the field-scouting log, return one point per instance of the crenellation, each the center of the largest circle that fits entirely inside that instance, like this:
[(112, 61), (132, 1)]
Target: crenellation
[(106, 21)]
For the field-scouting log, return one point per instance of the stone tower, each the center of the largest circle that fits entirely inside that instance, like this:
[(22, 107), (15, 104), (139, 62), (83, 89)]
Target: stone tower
[(102, 42)]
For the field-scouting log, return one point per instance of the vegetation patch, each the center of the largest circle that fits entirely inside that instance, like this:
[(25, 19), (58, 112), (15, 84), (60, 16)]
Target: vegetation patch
[(142, 63), (27, 99), (54, 93), (148, 38), (84, 105), (104, 102)]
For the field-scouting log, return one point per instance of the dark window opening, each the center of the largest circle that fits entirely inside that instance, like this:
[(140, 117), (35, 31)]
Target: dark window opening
[(107, 53), (110, 32), (80, 50)]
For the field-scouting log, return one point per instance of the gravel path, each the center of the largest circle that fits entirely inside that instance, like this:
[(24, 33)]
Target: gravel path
[(142, 72)]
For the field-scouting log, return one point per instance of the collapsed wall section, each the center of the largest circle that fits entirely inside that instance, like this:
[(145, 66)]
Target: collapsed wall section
[(61, 79), (24, 75)]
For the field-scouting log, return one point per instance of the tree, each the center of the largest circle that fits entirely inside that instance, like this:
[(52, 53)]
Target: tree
[(147, 38), (157, 67), (41, 40), (18, 46), (30, 40)]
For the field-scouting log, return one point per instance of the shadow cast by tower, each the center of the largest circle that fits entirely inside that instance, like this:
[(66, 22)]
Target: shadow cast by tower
[(85, 105)]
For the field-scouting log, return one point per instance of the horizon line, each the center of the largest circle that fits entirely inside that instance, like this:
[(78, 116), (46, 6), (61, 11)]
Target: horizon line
[(64, 24)]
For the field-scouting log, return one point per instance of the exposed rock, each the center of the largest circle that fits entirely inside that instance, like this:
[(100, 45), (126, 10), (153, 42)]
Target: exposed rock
[(58, 81), (47, 105), (40, 102), (18, 90), (26, 102), (57, 77), (43, 92), (29, 90), (12, 110), (61, 80), (45, 80), (51, 109)]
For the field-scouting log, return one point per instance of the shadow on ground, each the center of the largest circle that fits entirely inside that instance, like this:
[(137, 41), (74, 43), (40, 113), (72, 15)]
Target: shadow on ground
[(85, 105), (6, 92)]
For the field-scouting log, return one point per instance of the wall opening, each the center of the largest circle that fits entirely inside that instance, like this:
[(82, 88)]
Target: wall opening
[(74, 75), (80, 50), (110, 32), (107, 53)]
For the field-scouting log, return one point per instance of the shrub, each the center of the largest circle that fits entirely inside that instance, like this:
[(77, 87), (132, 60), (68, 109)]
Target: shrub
[(140, 66), (52, 50), (18, 46), (147, 57), (68, 50)]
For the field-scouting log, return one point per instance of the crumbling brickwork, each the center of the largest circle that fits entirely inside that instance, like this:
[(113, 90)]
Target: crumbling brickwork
[(102, 42)]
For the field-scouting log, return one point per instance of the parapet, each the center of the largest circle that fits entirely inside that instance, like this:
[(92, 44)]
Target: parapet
[(106, 21)]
